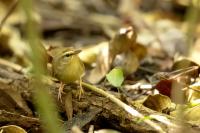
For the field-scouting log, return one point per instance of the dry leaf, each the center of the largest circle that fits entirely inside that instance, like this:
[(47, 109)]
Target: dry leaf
[(127, 61), (12, 129), (139, 50), (165, 82), (106, 131), (89, 54), (101, 69), (192, 114), (193, 92), (157, 102), (68, 105), (76, 129), (123, 41), (5, 36), (183, 63), (123, 51), (12, 101)]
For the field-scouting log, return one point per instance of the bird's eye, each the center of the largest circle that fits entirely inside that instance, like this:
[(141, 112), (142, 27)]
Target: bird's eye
[(67, 55)]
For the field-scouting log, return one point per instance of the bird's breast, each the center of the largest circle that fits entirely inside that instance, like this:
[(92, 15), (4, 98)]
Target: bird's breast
[(69, 71)]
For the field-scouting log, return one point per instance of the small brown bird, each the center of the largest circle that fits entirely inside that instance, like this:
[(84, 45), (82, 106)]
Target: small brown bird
[(67, 67)]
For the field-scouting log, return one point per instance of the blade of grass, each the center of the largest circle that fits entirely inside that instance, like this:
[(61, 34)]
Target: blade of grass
[(44, 102)]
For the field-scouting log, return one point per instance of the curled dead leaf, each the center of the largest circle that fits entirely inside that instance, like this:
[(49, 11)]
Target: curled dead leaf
[(183, 63), (123, 41), (122, 51), (127, 61), (139, 50), (101, 69), (157, 102), (89, 54), (12, 129)]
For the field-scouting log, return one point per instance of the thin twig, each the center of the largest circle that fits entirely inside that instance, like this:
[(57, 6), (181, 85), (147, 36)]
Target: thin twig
[(14, 66), (10, 11)]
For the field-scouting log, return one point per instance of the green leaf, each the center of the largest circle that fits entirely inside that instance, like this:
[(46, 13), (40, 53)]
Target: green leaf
[(115, 77)]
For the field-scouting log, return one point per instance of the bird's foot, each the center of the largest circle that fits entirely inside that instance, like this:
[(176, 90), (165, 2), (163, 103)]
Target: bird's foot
[(80, 93), (80, 90), (60, 91)]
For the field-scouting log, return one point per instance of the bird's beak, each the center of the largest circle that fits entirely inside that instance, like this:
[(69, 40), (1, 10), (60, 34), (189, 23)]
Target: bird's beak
[(70, 53), (77, 51)]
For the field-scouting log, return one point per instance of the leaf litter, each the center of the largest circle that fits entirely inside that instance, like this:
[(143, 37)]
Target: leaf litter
[(150, 48)]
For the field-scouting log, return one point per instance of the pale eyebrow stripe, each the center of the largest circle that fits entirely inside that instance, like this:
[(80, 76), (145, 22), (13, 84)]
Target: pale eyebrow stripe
[(68, 53)]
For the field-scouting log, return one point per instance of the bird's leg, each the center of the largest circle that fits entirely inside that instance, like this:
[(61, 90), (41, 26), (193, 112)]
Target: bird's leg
[(60, 91), (80, 91)]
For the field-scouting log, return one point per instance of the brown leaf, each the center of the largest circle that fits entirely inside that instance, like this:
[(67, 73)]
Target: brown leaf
[(11, 100), (127, 61), (183, 63), (68, 105), (12, 129), (101, 69), (157, 102), (123, 41)]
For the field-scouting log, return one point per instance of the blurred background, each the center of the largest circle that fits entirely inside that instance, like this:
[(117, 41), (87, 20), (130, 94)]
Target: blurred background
[(158, 23)]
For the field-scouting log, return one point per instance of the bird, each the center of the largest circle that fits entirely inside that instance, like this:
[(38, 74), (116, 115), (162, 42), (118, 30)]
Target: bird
[(67, 67)]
